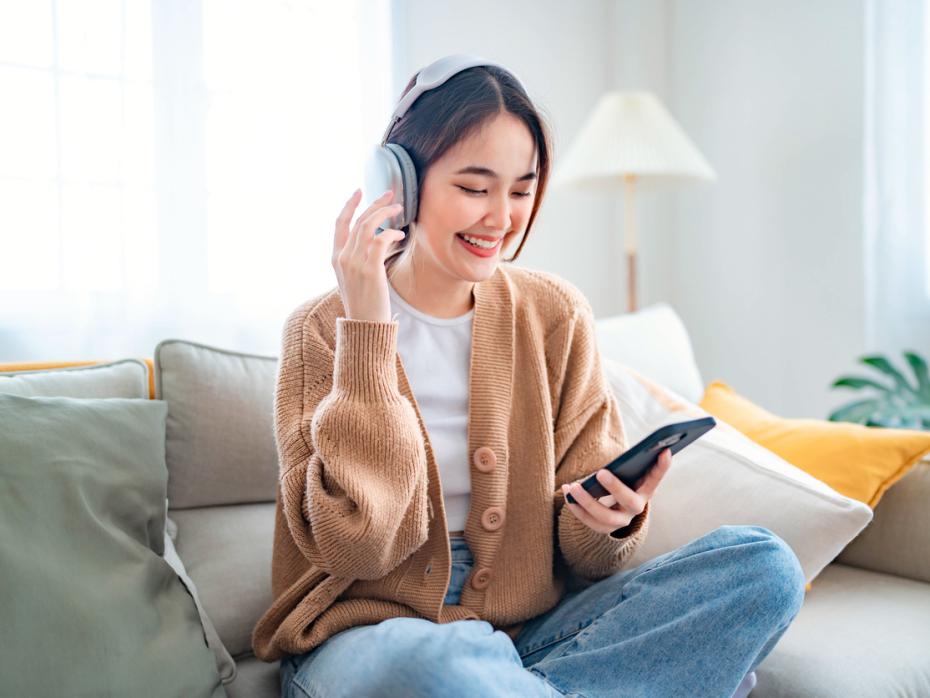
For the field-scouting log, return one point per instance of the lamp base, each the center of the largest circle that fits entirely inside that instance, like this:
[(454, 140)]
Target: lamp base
[(631, 281)]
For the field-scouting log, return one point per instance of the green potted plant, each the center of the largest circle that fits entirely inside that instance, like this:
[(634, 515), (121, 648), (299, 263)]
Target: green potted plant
[(898, 404)]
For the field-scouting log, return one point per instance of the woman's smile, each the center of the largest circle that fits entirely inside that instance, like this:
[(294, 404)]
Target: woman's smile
[(481, 248)]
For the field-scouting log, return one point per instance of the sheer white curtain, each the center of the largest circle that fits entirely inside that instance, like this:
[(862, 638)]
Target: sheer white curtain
[(173, 168), (897, 185)]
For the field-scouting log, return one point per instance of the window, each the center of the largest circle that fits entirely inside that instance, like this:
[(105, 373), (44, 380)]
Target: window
[(174, 169), (896, 172), (926, 138)]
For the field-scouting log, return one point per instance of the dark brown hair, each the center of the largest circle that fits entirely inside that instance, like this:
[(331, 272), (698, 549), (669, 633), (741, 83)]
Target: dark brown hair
[(445, 115)]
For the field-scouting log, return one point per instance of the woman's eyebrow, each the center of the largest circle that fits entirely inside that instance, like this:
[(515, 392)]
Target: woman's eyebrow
[(479, 170)]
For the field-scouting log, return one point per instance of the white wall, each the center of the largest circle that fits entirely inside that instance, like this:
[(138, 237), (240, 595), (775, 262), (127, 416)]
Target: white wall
[(768, 259), (765, 263)]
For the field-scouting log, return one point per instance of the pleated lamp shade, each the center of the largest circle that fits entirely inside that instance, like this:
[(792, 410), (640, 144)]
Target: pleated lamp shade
[(630, 133)]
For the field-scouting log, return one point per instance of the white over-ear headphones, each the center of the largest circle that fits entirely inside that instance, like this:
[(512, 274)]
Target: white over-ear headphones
[(389, 166)]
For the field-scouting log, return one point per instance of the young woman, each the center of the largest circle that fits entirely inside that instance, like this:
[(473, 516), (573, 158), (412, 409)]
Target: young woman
[(432, 412)]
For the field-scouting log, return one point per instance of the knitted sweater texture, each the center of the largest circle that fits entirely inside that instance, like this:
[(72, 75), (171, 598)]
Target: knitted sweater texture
[(360, 533)]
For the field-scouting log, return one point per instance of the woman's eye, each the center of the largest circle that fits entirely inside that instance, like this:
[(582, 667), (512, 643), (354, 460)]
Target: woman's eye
[(471, 191), (484, 191)]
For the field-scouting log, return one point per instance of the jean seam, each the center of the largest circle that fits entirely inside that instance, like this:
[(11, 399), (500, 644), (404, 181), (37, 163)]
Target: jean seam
[(573, 642), (548, 642), (590, 625), (582, 627), (654, 566), (306, 691), (589, 622), (553, 686)]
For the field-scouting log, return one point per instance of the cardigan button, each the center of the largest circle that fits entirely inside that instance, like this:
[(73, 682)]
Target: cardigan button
[(485, 459), (492, 518), (481, 578)]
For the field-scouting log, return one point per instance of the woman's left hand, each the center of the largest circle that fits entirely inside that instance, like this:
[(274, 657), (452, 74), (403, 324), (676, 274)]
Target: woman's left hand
[(617, 509)]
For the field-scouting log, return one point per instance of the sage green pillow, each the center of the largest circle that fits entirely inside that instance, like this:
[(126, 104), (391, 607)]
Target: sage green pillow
[(89, 606)]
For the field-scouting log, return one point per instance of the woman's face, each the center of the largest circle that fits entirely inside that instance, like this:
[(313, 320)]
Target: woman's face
[(484, 188)]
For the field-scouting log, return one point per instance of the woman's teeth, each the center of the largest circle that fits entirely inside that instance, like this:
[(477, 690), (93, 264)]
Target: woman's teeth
[(477, 242)]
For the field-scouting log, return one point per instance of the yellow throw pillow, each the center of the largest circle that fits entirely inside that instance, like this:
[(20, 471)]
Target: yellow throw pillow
[(857, 461)]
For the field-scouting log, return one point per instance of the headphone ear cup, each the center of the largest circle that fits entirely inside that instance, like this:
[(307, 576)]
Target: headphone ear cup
[(410, 191), (380, 174)]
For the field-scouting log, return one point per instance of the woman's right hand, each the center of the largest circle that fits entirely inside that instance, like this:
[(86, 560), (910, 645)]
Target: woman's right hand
[(358, 258)]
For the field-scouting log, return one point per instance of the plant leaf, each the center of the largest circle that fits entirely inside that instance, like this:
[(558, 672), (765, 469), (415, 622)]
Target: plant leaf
[(919, 366), (856, 382), (882, 364), (858, 411)]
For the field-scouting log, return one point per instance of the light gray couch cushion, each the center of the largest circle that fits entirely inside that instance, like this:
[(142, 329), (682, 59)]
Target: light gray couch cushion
[(257, 679), (227, 551), (897, 540), (124, 378), (220, 441), (224, 662), (859, 633), (221, 451)]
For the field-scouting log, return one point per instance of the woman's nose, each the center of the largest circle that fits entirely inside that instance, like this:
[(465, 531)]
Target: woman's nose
[(498, 214)]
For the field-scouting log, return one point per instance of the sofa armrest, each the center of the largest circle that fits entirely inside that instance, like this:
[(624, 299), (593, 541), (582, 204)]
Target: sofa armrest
[(897, 540)]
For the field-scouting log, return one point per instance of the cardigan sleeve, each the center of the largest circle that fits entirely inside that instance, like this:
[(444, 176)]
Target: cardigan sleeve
[(353, 473), (588, 435)]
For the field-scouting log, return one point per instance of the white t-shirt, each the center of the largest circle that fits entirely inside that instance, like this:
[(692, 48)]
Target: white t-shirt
[(436, 353)]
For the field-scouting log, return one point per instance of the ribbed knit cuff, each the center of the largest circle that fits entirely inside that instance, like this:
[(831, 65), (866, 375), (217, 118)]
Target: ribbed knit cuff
[(595, 555), (366, 355), (635, 524)]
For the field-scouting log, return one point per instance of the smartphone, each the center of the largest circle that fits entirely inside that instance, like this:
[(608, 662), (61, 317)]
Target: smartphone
[(635, 462)]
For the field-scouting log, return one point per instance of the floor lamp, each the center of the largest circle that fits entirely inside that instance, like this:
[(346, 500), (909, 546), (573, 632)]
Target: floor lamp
[(629, 136)]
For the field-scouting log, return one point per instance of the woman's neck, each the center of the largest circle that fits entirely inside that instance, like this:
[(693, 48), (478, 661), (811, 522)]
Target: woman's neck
[(430, 291)]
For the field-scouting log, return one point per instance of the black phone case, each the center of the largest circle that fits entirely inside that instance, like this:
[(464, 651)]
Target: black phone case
[(635, 462)]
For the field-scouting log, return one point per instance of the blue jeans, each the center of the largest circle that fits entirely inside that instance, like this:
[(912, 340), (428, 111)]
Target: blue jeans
[(693, 621)]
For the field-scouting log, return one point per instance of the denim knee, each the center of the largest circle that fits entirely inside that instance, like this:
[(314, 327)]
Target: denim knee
[(775, 563), (420, 655)]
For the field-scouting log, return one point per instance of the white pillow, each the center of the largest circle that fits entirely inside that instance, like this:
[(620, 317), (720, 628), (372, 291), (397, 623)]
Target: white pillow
[(726, 478), (655, 342)]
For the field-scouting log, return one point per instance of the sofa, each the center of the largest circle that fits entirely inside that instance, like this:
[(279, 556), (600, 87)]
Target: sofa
[(864, 629)]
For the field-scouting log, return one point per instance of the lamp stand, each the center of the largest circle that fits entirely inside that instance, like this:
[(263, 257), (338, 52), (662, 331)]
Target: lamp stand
[(629, 226)]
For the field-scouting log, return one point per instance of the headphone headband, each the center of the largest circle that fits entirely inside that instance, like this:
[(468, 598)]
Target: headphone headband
[(433, 75)]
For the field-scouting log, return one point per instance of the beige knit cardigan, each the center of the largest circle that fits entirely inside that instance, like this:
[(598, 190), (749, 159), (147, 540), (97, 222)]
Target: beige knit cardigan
[(360, 530)]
